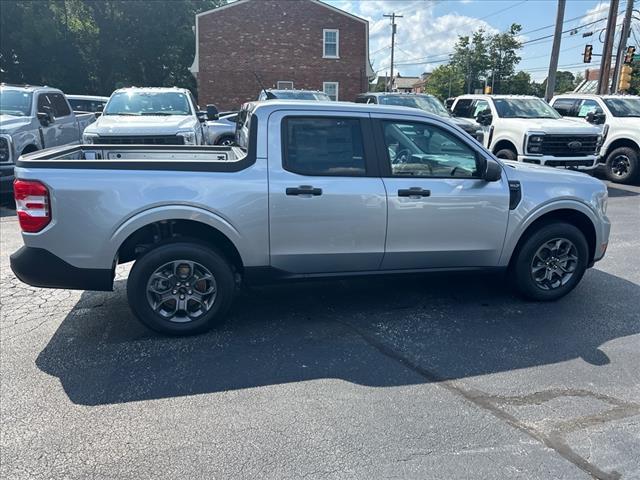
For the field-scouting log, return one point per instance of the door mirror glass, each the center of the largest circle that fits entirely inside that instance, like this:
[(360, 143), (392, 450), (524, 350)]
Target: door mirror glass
[(212, 112), (493, 171)]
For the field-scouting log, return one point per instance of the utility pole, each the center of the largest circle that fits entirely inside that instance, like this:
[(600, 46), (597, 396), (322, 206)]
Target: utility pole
[(605, 64), (626, 27), (555, 51), (393, 17)]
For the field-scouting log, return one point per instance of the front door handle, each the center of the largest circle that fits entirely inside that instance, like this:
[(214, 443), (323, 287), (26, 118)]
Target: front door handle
[(304, 190), (414, 192)]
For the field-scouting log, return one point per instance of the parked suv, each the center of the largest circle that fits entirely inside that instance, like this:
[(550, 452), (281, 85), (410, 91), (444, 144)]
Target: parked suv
[(527, 129), (313, 189), (149, 116), (619, 117), (423, 101), (33, 118)]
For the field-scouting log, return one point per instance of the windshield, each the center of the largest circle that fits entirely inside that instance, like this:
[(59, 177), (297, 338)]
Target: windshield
[(423, 102), (15, 102), (624, 107), (301, 95), (524, 108), (148, 103)]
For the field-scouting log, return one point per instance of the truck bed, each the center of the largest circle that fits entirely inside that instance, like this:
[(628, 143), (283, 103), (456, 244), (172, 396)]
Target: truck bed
[(140, 157)]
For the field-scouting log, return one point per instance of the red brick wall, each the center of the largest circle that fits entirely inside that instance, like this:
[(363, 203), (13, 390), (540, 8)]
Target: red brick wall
[(279, 40)]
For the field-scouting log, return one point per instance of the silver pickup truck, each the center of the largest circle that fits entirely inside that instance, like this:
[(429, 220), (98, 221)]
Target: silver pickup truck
[(313, 189), (33, 118)]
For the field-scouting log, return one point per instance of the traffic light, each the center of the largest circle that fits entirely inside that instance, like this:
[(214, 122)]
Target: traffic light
[(588, 50), (625, 78), (628, 57)]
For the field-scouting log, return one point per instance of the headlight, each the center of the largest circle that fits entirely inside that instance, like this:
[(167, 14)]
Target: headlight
[(534, 144), (5, 149), (189, 137), (90, 138)]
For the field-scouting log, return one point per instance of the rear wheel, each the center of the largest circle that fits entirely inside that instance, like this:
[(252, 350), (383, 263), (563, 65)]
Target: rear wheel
[(507, 154), (550, 262), (181, 288), (623, 165)]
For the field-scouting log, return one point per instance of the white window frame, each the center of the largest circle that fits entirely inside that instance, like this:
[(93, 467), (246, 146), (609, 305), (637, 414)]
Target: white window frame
[(324, 42), (337, 84), (289, 82)]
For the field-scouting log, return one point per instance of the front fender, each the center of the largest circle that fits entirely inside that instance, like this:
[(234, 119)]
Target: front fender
[(521, 220)]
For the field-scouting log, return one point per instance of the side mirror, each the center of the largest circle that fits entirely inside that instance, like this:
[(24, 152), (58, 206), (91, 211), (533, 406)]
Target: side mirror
[(202, 116), (100, 108), (97, 114), (45, 116), (484, 118), (212, 112), (493, 171)]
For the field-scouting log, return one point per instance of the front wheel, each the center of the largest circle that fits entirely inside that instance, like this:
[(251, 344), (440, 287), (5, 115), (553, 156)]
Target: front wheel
[(550, 262), (227, 141), (507, 154), (623, 165), (181, 288)]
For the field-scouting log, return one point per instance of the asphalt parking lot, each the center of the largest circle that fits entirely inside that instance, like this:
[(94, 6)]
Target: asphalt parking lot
[(415, 377)]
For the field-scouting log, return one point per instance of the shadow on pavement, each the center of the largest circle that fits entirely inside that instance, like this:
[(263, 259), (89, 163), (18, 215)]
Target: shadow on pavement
[(456, 325)]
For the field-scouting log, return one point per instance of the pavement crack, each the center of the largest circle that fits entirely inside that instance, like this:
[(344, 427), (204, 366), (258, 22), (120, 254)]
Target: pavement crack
[(489, 403)]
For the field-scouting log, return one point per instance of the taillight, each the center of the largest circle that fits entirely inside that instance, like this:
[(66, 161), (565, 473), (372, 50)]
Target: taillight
[(32, 205)]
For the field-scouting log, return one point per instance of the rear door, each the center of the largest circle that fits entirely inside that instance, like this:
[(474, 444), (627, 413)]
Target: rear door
[(441, 213), (327, 203), (67, 129)]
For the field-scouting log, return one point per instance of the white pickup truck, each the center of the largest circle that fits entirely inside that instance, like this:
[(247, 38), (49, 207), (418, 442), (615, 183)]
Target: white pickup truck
[(527, 129), (619, 117), (33, 118), (149, 116)]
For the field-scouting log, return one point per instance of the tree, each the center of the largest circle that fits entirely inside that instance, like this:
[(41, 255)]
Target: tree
[(445, 82), (565, 82), (471, 58), (518, 84), (90, 46), (503, 49)]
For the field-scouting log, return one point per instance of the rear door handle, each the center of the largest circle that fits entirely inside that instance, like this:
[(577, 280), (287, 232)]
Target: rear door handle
[(414, 192), (304, 190)]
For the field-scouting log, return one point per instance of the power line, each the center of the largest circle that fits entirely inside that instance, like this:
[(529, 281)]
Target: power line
[(503, 10)]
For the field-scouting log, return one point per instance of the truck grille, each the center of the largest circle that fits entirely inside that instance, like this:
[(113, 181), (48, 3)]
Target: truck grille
[(570, 145), (141, 140), (5, 151)]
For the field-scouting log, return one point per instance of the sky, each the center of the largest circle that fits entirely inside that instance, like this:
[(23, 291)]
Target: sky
[(428, 30)]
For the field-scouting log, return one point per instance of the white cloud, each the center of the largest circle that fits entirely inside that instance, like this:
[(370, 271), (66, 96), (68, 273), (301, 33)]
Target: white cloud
[(422, 36)]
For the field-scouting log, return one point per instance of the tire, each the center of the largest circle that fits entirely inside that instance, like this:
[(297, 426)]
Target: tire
[(197, 316), (525, 261), (623, 165), (226, 140), (507, 154)]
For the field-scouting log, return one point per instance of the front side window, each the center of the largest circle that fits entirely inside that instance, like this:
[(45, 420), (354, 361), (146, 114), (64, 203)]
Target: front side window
[(480, 106), (331, 46), (148, 103), (60, 105), (331, 89), (587, 107), (322, 146), (421, 150)]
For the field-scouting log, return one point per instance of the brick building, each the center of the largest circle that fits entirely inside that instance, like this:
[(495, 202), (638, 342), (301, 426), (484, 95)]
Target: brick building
[(301, 44)]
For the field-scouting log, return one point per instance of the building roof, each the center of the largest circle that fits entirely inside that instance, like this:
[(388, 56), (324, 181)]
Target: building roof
[(405, 82)]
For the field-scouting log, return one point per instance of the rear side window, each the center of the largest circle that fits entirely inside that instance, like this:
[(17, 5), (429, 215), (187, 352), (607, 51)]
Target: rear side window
[(59, 104), (565, 107), (322, 146), (361, 100), (587, 107), (462, 108)]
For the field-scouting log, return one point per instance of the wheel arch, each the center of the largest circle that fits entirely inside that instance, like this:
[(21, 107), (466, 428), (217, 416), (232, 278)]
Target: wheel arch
[(620, 142), (576, 215), (502, 144), (29, 148), (161, 225)]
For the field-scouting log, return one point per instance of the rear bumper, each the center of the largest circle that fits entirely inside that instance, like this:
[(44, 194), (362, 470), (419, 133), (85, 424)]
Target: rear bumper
[(41, 268), (579, 163)]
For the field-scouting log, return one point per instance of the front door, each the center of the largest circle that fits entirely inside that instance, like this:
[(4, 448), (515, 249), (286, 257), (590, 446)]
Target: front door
[(440, 212), (327, 204)]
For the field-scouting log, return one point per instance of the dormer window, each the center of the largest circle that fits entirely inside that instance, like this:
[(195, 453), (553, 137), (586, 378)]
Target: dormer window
[(331, 43)]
